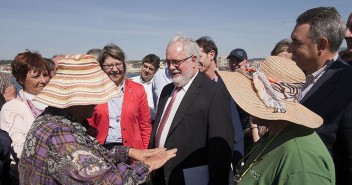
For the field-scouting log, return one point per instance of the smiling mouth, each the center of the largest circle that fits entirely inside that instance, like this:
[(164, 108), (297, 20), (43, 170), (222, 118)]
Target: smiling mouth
[(174, 74)]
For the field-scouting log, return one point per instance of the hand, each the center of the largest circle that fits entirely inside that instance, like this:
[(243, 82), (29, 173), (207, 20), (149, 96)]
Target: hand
[(158, 159), (141, 155)]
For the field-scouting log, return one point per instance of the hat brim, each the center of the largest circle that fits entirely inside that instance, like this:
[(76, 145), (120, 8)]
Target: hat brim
[(78, 82), (243, 92)]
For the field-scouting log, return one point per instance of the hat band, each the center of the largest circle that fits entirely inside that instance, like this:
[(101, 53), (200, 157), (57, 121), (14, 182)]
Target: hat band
[(271, 91)]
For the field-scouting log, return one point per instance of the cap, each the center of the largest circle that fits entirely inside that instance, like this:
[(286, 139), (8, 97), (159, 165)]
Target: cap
[(239, 53)]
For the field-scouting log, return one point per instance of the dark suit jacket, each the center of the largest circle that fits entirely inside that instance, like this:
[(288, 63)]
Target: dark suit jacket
[(331, 98), (201, 131)]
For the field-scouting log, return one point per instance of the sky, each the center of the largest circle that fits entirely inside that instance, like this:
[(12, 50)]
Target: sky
[(141, 27)]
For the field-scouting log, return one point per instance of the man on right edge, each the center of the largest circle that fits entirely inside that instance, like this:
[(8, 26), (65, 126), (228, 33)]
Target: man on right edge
[(316, 39)]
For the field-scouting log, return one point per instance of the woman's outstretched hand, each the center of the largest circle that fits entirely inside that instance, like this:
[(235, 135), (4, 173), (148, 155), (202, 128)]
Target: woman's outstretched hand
[(155, 158)]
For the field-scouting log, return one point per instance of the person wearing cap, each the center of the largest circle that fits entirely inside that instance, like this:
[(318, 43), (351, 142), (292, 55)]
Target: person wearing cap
[(207, 65), (346, 54), (237, 59), (32, 72), (291, 152), (150, 65), (316, 38), (123, 120), (194, 117), (57, 148)]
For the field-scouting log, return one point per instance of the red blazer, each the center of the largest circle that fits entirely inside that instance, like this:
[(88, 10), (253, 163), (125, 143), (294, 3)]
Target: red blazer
[(135, 117)]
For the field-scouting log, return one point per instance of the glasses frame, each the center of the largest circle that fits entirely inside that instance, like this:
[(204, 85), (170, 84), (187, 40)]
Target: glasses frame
[(177, 63), (111, 66)]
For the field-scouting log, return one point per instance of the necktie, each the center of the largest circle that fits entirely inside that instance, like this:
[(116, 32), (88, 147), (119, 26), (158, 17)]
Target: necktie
[(165, 116)]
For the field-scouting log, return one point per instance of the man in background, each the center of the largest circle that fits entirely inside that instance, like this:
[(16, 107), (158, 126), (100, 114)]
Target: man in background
[(237, 59), (150, 64), (208, 55), (207, 65)]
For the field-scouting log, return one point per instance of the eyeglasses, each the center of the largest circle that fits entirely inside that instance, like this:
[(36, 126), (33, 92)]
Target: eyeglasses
[(177, 63), (111, 66)]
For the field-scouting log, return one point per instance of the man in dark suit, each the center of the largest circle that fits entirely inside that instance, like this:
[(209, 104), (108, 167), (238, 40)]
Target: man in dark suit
[(316, 39), (199, 122), (208, 66)]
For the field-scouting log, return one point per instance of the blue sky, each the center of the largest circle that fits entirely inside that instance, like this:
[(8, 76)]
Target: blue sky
[(141, 27)]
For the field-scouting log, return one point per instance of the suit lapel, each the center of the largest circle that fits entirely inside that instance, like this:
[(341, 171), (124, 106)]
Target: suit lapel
[(189, 98), (324, 86)]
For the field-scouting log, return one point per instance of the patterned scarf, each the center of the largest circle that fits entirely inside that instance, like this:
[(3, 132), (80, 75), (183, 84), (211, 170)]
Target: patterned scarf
[(273, 91)]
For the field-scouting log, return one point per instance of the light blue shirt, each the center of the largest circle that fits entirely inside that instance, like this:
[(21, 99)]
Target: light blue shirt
[(115, 106), (160, 79)]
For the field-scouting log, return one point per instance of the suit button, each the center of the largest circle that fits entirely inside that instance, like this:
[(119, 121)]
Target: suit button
[(125, 141), (124, 129)]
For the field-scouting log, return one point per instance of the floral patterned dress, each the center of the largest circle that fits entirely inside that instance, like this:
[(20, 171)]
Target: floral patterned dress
[(58, 151)]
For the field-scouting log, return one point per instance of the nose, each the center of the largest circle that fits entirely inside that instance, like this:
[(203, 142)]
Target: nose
[(43, 79), (147, 69), (115, 68)]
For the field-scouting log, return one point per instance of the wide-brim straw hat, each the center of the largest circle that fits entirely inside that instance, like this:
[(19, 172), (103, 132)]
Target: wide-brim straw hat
[(79, 80), (243, 91)]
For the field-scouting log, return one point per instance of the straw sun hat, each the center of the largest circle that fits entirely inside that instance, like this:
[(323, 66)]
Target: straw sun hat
[(270, 91), (79, 80)]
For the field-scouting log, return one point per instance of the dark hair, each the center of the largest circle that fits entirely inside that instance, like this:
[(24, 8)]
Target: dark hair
[(324, 22), (27, 61), (153, 60), (112, 50), (51, 64), (208, 44)]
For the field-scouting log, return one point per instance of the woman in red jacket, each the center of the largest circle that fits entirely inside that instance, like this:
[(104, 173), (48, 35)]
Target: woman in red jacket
[(123, 120)]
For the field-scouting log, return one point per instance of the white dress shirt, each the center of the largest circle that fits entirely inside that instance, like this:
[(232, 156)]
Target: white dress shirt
[(148, 90), (174, 108)]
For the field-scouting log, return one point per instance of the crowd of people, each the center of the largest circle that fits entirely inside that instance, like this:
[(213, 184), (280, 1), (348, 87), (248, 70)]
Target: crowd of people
[(78, 119)]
